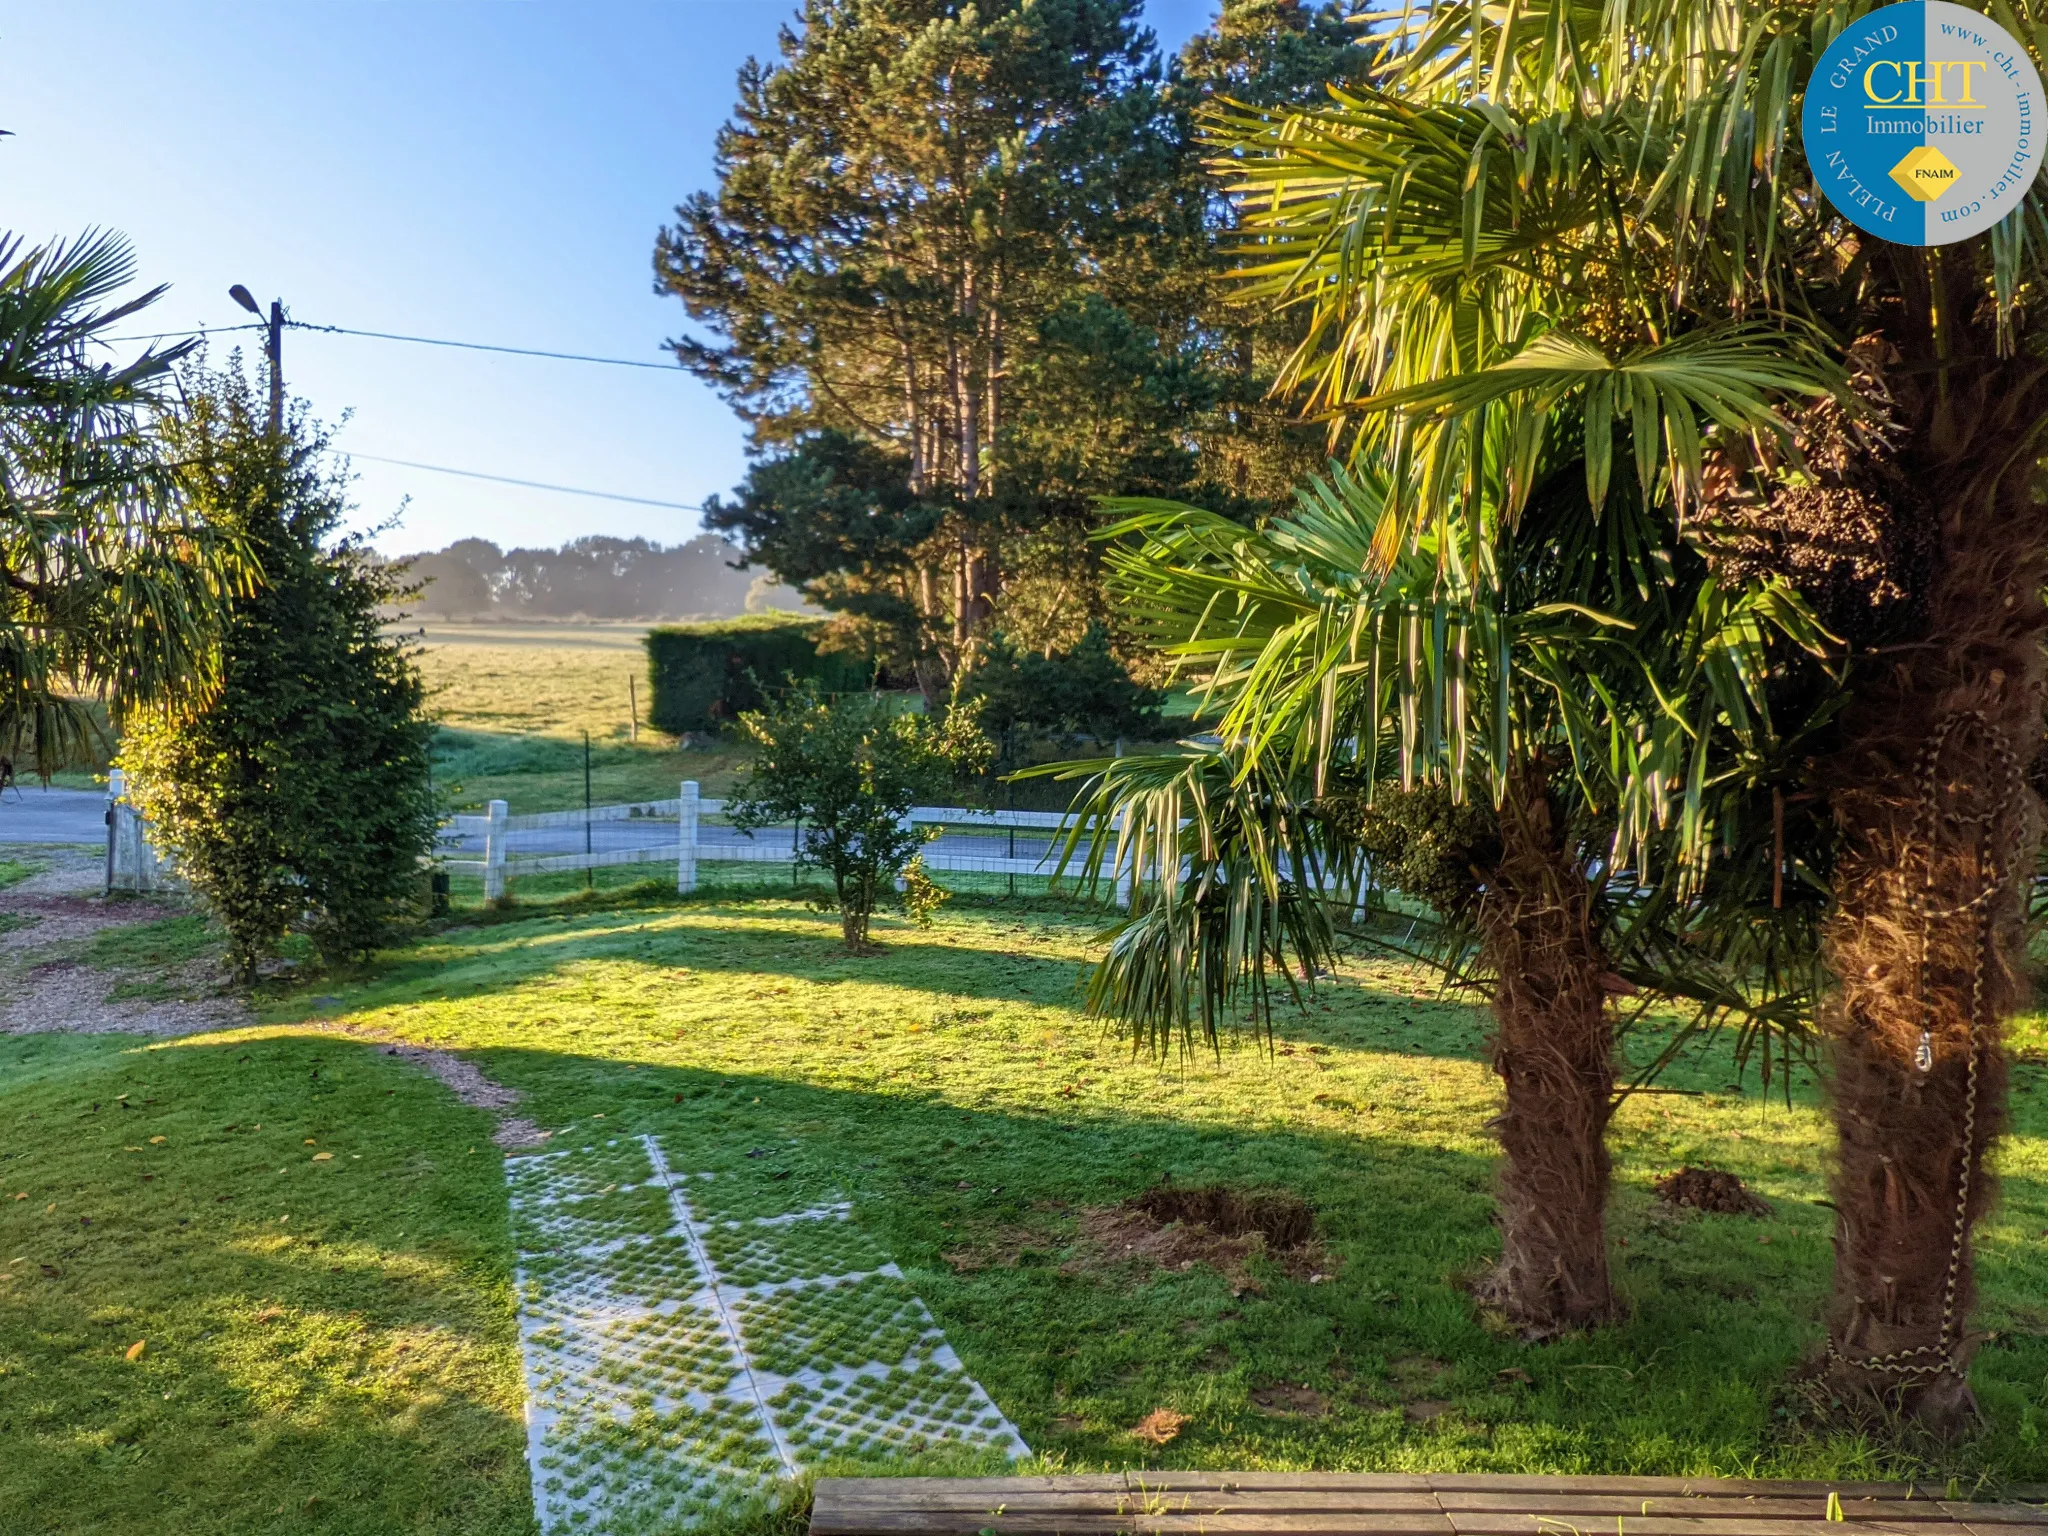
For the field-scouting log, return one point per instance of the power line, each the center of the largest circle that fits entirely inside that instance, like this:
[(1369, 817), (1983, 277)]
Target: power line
[(423, 341), (204, 330), (479, 346), (532, 485)]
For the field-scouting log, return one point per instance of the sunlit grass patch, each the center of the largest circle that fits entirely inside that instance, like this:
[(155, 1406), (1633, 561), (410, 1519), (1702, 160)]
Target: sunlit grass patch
[(324, 1344), (976, 1119)]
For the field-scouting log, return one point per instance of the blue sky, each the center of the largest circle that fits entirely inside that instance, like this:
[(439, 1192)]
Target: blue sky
[(485, 172)]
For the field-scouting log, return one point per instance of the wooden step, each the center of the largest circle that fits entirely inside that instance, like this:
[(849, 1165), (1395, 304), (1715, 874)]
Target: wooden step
[(1398, 1504)]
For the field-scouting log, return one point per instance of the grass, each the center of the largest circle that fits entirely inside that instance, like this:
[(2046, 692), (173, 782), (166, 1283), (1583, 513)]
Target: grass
[(158, 946), (153, 960), (325, 1345), (981, 1126), (515, 700)]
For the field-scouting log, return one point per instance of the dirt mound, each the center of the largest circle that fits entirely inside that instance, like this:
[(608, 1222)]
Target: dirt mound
[(1283, 1220), (1710, 1189), (1118, 1234), (1291, 1402)]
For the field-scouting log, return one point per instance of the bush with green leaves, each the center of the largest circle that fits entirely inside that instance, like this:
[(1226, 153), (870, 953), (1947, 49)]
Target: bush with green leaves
[(1085, 691), (297, 795), (848, 771)]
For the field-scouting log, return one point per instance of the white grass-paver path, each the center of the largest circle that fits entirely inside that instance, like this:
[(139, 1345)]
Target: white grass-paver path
[(687, 1354)]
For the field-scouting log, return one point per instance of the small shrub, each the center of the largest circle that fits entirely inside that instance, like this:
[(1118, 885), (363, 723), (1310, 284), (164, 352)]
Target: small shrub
[(848, 771)]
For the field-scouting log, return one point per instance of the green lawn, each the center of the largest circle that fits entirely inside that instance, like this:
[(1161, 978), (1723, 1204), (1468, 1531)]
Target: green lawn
[(326, 1346), (986, 1132)]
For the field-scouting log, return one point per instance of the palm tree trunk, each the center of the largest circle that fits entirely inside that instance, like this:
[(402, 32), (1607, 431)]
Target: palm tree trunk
[(1553, 1047), (1939, 833)]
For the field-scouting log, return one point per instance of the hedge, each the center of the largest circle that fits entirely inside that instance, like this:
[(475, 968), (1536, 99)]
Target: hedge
[(706, 675)]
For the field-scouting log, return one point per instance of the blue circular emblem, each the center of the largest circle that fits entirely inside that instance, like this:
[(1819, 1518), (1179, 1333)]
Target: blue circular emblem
[(1924, 123)]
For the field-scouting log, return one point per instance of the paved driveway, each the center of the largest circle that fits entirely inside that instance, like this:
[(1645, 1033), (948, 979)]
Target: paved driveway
[(38, 815)]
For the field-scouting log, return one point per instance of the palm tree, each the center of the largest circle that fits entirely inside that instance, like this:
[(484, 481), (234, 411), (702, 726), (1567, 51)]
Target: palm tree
[(1593, 667), (1592, 223), (108, 583)]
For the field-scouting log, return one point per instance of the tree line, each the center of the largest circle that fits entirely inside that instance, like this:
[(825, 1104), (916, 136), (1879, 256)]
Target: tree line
[(596, 577)]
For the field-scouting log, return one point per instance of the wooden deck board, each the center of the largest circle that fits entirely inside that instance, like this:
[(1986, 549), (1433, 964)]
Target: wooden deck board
[(1606, 1506), (1396, 1504)]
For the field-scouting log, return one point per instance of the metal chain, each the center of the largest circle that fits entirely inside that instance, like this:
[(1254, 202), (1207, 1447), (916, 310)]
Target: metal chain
[(1903, 1362)]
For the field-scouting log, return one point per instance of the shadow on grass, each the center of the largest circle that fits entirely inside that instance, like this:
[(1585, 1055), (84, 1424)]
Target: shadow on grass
[(993, 1214), (767, 933), (402, 1239)]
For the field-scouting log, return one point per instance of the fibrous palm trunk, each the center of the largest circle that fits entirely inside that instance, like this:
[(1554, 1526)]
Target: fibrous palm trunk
[(1939, 831), (1553, 1047)]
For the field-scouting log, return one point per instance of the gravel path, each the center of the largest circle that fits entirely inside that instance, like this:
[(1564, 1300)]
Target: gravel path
[(43, 987)]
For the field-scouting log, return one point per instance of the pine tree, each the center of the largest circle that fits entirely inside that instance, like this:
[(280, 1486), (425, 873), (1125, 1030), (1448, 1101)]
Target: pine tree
[(1261, 53), (948, 234)]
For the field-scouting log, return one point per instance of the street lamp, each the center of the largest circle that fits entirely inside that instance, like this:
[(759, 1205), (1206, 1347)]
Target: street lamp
[(274, 346)]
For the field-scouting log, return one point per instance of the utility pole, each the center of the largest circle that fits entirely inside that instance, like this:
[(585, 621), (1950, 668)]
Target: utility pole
[(273, 348)]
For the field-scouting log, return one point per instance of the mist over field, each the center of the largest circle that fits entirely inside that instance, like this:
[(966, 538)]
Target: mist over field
[(594, 578)]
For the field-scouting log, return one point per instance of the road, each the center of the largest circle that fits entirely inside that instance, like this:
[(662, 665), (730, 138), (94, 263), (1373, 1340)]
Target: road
[(38, 815)]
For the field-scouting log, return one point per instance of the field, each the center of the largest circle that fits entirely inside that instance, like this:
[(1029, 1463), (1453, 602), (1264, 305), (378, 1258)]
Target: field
[(328, 1343), (514, 702)]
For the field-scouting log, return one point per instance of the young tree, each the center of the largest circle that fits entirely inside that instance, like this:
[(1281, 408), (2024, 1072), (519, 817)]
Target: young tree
[(111, 579), (849, 770), (296, 794)]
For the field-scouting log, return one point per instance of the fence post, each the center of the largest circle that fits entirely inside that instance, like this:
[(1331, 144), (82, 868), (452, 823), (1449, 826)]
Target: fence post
[(907, 825), (1123, 872), (494, 854), (117, 784), (686, 839)]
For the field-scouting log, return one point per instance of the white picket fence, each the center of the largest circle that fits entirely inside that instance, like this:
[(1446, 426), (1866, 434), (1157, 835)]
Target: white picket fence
[(691, 830)]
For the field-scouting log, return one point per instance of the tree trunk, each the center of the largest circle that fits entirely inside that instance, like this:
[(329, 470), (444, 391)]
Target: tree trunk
[(913, 412), (967, 383), (853, 926), (1553, 1047), (1939, 833)]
